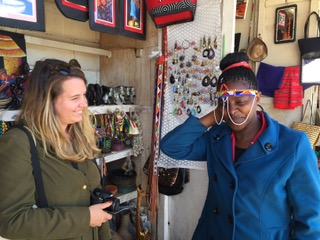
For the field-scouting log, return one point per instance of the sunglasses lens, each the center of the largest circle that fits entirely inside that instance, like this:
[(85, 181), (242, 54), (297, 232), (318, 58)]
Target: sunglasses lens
[(65, 73), (63, 70)]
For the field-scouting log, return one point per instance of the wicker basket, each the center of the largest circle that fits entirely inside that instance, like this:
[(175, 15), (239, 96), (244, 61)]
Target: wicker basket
[(313, 131)]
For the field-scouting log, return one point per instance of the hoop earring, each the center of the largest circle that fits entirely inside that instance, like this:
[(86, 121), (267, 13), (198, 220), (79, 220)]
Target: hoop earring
[(214, 111)]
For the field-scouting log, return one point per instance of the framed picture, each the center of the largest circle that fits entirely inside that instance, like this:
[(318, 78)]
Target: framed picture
[(74, 9), (24, 14), (103, 16), (285, 24), (241, 9), (133, 22)]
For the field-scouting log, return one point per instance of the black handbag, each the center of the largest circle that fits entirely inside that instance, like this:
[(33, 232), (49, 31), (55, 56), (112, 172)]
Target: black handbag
[(171, 181), (309, 54), (309, 45)]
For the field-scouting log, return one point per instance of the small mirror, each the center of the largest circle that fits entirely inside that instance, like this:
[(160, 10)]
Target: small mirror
[(285, 24)]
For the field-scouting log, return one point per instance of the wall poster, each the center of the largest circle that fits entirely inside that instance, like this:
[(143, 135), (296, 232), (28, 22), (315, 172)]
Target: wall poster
[(133, 22), (23, 14), (103, 16)]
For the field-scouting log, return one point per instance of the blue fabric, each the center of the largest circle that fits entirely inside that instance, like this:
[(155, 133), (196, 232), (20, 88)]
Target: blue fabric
[(252, 198), (269, 78)]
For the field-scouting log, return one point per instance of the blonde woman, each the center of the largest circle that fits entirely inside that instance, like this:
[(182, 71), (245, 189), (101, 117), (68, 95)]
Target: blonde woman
[(55, 111)]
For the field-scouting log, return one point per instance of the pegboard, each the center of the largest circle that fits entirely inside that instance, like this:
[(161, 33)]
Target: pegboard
[(194, 55)]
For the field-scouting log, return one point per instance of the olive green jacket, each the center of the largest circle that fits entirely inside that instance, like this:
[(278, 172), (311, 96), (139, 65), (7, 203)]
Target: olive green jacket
[(67, 190)]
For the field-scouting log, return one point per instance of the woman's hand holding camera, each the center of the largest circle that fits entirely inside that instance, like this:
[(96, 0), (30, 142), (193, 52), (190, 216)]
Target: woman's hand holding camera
[(98, 215)]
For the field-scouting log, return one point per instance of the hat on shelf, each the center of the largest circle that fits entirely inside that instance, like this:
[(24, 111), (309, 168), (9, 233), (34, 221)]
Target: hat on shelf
[(257, 50)]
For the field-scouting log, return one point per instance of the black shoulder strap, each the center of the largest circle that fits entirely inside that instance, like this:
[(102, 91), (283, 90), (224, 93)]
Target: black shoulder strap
[(307, 23), (42, 200)]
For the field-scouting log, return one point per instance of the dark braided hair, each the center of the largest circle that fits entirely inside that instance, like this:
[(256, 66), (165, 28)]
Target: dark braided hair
[(237, 73)]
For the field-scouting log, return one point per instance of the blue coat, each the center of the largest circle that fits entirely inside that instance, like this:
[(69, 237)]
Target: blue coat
[(254, 198)]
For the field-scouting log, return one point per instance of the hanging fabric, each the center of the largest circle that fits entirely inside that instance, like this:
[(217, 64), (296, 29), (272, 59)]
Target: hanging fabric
[(290, 93)]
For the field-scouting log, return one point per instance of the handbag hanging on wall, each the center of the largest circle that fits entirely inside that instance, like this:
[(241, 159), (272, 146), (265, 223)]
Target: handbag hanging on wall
[(169, 12), (309, 45), (309, 52)]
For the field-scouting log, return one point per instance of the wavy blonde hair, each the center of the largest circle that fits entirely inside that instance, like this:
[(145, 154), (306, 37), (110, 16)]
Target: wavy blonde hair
[(37, 113)]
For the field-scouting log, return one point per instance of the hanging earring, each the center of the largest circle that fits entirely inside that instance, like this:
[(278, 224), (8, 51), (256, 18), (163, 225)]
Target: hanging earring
[(188, 78), (206, 81), (198, 108), (181, 58), (175, 55), (172, 79), (215, 43), (213, 81)]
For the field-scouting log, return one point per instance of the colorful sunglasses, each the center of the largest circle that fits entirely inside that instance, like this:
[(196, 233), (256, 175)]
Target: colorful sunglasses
[(226, 92)]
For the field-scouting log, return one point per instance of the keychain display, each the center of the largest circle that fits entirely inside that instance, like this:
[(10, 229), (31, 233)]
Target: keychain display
[(117, 130)]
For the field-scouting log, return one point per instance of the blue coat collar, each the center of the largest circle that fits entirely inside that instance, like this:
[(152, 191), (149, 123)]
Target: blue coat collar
[(266, 144)]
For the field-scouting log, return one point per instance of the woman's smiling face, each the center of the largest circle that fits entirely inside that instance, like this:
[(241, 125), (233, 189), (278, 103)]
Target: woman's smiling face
[(69, 104)]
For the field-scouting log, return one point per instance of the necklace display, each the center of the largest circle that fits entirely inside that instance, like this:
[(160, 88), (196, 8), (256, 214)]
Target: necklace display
[(193, 74)]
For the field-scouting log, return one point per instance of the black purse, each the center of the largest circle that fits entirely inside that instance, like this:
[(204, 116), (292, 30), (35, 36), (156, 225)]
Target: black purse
[(308, 45), (309, 54)]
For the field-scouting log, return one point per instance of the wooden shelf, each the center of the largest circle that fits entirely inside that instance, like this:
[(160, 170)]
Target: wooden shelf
[(10, 115), (103, 109), (66, 46), (124, 197), (116, 155)]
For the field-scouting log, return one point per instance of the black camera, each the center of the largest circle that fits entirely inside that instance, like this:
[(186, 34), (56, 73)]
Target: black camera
[(101, 196)]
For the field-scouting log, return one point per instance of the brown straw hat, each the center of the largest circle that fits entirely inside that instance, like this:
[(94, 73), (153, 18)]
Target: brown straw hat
[(257, 50)]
